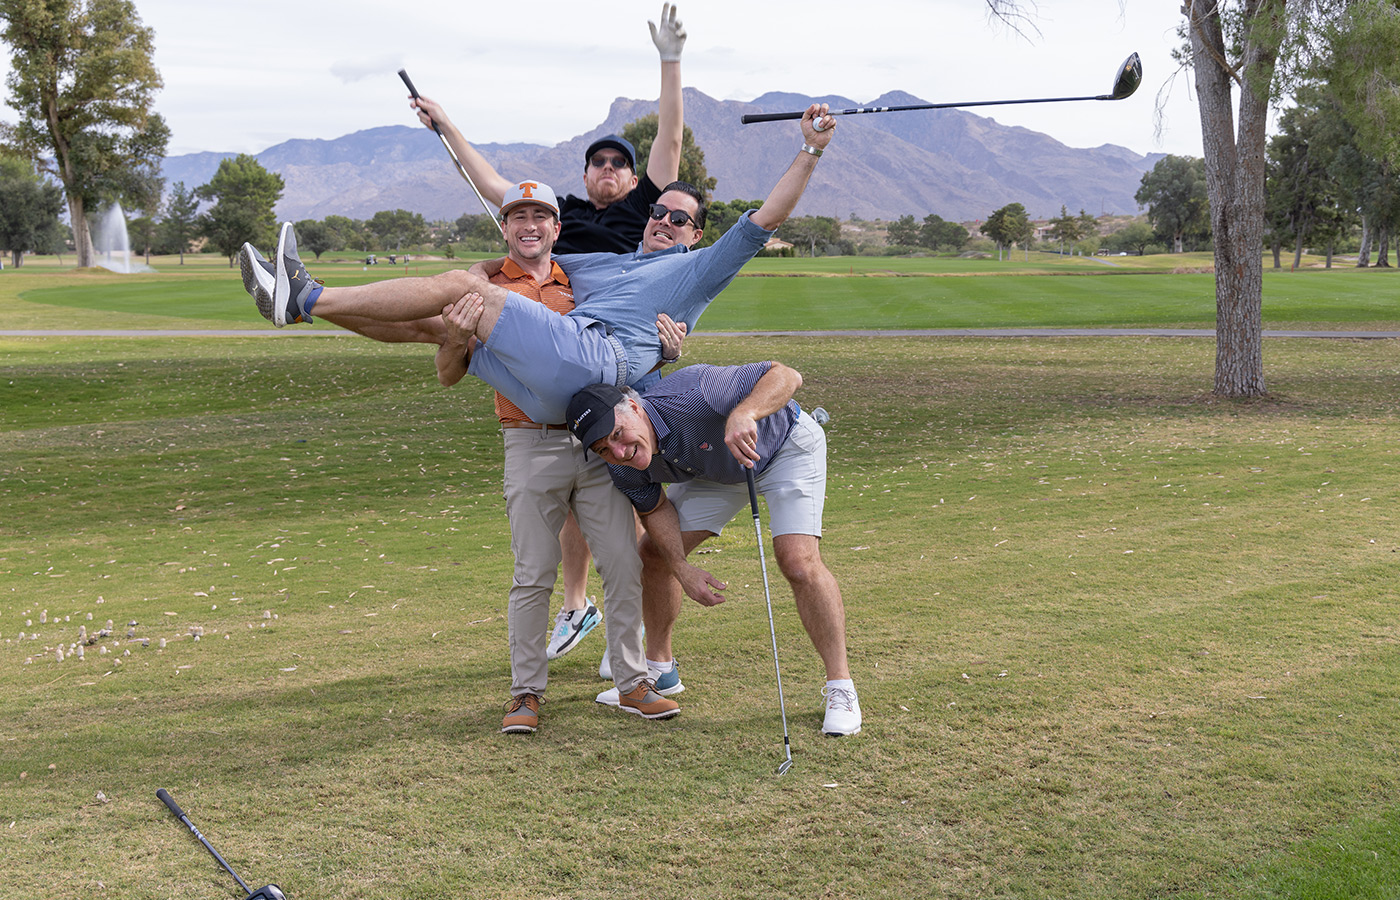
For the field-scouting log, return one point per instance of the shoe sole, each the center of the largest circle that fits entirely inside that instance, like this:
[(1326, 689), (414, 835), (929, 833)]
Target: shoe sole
[(252, 280), (837, 734), (668, 714), (519, 729), (588, 625), (283, 286)]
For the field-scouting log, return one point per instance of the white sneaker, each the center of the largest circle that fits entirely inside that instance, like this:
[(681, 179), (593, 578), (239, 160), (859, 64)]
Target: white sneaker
[(570, 627), (842, 711), (609, 697)]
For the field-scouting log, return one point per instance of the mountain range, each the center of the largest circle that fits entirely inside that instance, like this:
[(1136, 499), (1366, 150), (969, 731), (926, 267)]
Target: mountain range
[(881, 166)]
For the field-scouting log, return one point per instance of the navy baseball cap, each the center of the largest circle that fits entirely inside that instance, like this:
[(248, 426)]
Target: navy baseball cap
[(617, 142), (590, 413)]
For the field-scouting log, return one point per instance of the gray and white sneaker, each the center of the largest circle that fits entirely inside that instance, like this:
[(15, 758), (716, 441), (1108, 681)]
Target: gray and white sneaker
[(259, 277), (570, 627), (293, 287), (842, 711)]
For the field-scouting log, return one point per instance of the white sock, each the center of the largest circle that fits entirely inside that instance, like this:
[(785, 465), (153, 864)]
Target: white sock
[(661, 668)]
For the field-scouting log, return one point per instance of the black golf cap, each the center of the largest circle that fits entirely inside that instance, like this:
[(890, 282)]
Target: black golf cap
[(590, 412), (617, 142)]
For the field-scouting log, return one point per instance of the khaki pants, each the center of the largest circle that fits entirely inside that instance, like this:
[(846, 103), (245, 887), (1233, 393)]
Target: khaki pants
[(545, 475)]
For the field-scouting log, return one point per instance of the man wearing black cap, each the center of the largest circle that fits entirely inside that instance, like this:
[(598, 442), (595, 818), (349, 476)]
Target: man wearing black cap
[(676, 434), (614, 214)]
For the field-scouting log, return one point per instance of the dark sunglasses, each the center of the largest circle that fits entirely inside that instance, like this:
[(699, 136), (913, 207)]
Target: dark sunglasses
[(617, 162), (679, 217)]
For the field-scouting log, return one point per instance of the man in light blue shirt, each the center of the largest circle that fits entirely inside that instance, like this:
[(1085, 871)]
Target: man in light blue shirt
[(539, 359)]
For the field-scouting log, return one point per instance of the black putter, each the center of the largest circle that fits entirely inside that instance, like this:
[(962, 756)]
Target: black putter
[(773, 632), (1127, 81), (266, 892)]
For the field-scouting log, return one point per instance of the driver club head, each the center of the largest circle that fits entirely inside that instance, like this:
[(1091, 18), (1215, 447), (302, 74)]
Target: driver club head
[(1129, 77), (267, 892)]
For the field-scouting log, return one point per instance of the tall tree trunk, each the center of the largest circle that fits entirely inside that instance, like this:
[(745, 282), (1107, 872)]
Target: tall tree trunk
[(1363, 258), (1383, 254), (1235, 178), (1277, 247), (82, 235), (1298, 251)]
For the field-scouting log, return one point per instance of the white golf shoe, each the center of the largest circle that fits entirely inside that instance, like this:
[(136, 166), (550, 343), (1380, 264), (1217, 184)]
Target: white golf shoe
[(842, 709)]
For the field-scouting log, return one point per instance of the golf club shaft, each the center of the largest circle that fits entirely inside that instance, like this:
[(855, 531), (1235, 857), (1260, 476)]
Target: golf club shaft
[(772, 631), (860, 110), (403, 73), (1124, 84), (174, 807)]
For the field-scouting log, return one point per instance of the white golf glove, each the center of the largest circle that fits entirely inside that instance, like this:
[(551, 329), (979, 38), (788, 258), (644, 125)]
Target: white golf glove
[(669, 38)]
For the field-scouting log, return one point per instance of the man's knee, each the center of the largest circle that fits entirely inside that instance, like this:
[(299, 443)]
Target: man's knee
[(800, 559), (455, 280), (651, 556)]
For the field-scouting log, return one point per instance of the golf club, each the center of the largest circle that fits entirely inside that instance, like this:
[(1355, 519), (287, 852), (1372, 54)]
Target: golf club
[(763, 564), (266, 892), (452, 153), (1129, 77)]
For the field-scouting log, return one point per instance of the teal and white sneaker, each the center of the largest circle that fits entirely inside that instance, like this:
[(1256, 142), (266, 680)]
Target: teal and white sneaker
[(570, 627), (293, 289), (668, 682), (842, 709), (259, 278)]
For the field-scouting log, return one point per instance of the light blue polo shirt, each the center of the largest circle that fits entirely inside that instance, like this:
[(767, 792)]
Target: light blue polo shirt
[(627, 291), (541, 360)]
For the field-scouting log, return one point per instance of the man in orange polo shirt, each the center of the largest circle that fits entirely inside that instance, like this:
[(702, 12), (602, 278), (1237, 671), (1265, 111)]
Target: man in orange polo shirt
[(547, 473)]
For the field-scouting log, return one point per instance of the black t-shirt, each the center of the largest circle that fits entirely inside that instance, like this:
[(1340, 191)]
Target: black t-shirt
[(614, 229)]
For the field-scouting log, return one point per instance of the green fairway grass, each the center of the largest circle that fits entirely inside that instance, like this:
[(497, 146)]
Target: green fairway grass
[(779, 295), (1113, 638)]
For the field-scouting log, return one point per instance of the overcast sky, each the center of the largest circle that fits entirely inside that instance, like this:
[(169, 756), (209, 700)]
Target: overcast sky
[(243, 77)]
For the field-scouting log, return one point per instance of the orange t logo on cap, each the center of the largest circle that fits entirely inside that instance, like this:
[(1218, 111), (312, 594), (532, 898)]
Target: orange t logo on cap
[(526, 187)]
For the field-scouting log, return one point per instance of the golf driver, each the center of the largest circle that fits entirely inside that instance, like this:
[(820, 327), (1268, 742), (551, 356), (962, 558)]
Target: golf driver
[(1129, 77), (266, 892), (763, 564), (413, 91)]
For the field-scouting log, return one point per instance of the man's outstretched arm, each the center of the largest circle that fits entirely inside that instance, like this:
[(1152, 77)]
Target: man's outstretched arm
[(492, 184), (817, 129), (664, 161)]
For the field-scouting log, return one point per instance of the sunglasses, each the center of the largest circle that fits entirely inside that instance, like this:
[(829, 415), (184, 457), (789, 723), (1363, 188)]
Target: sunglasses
[(679, 217), (617, 162)]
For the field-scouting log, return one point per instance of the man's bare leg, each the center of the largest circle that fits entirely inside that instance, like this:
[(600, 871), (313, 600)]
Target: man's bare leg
[(409, 299), (576, 559), (418, 331), (818, 598)]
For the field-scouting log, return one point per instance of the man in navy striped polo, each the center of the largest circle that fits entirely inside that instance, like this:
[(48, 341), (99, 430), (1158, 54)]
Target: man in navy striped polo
[(697, 430)]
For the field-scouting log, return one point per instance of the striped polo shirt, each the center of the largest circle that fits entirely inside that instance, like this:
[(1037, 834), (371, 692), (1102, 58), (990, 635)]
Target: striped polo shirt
[(689, 409)]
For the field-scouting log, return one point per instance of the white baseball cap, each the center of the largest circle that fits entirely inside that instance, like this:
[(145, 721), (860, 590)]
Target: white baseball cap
[(530, 192)]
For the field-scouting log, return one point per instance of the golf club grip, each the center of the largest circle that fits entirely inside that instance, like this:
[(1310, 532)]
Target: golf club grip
[(753, 492), (750, 118), (164, 797), (413, 91)]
